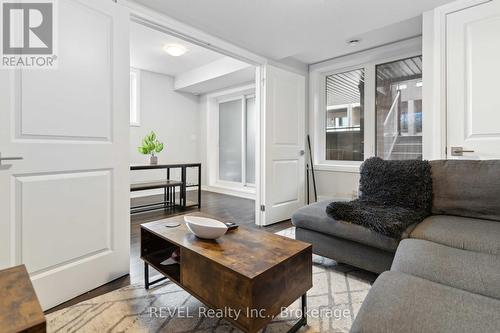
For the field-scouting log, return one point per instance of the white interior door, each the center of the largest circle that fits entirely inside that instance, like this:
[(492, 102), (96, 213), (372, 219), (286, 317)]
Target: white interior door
[(64, 207), (473, 71), (283, 142)]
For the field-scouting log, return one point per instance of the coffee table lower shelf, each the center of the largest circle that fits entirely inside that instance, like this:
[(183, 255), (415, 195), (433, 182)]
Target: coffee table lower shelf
[(173, 272)]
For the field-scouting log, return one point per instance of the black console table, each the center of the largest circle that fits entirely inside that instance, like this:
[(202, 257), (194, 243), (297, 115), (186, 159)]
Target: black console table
[(183, 183)]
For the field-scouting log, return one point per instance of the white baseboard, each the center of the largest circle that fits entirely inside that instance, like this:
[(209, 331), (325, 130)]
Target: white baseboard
[(228, 191)]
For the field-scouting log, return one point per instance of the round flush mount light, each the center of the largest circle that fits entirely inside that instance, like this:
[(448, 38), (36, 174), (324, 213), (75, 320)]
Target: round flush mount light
[(353, 42), (175, 50)]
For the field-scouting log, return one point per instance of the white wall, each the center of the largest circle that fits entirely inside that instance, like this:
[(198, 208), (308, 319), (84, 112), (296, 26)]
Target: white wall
[(434, 120), (334, 185), (176, 120)]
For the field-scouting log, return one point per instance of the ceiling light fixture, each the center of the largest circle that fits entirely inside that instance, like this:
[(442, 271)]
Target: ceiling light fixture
[(353, 42), (175, 50)]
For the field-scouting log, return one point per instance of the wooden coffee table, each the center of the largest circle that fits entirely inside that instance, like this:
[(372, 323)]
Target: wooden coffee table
[(20, 310), (247, 270)]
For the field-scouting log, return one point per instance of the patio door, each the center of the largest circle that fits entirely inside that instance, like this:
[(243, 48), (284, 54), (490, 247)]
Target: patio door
[(473, 106), (283, 145), (64, 205)]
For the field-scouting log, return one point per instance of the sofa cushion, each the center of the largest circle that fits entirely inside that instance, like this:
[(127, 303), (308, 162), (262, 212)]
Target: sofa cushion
[(460, 232), (466, 188), (313, 217), (398, 302), (467, 270)]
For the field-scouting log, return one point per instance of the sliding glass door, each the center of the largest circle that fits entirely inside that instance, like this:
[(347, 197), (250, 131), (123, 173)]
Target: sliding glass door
[(250, 130), (237, 126)]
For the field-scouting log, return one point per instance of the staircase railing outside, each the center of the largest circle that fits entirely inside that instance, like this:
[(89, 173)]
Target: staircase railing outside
[(391, 124)]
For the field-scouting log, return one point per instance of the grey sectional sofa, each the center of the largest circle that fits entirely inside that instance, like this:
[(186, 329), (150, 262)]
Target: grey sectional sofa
[(445, 273)]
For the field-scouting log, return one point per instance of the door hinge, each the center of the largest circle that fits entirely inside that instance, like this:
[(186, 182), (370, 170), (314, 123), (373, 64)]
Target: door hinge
[(262, 208)]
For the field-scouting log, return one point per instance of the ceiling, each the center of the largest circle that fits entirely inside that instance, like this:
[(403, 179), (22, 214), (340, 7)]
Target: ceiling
[(146, 52), (233, 79), (306, 30)]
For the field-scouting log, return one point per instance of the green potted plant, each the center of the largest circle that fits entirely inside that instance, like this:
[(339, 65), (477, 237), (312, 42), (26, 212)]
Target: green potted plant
[(151, 146)]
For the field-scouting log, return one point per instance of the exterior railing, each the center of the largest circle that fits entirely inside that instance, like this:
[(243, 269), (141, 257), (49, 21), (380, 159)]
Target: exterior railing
[(391, 131)]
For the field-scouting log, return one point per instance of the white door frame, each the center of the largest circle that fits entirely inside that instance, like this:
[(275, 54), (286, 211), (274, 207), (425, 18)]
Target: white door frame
[(160, 22)]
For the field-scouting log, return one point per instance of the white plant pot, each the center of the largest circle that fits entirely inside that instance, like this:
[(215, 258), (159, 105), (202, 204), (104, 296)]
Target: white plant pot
[(153, 160)]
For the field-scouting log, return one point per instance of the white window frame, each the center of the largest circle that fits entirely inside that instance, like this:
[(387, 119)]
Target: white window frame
[(135, 90), (367, 60)]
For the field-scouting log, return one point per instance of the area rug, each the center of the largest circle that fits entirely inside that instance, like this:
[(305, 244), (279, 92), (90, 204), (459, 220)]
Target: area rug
[(333, 302)]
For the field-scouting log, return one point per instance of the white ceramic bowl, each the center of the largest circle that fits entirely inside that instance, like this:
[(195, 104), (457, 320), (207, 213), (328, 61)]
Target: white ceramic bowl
[(204, 227)]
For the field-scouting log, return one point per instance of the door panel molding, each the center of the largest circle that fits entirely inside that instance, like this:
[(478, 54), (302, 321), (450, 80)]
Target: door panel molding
[(283, 171), (479, 58), (80, 103), (69, 211)]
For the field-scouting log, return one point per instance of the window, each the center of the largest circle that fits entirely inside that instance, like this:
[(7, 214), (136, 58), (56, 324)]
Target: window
[(399, 109), (344, 116), (348, 100), (135, 86), (237, 126)]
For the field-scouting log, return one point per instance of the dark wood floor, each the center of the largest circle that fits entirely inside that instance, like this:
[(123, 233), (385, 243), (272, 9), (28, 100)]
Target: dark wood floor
[(223, 207)]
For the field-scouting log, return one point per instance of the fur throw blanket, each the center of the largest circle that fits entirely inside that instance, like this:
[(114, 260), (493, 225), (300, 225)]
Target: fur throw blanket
[(393, 195)]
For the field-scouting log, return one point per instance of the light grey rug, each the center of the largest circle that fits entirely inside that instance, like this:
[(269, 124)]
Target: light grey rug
[(333, 302)]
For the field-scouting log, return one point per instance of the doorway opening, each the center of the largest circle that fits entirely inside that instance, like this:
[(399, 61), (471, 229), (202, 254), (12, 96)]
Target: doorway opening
[(202, 106)]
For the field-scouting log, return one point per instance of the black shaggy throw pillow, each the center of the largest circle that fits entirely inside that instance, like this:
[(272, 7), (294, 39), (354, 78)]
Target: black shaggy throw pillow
[(393, 195)]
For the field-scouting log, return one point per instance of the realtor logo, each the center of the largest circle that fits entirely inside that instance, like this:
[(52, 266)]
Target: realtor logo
[(28, 34)]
